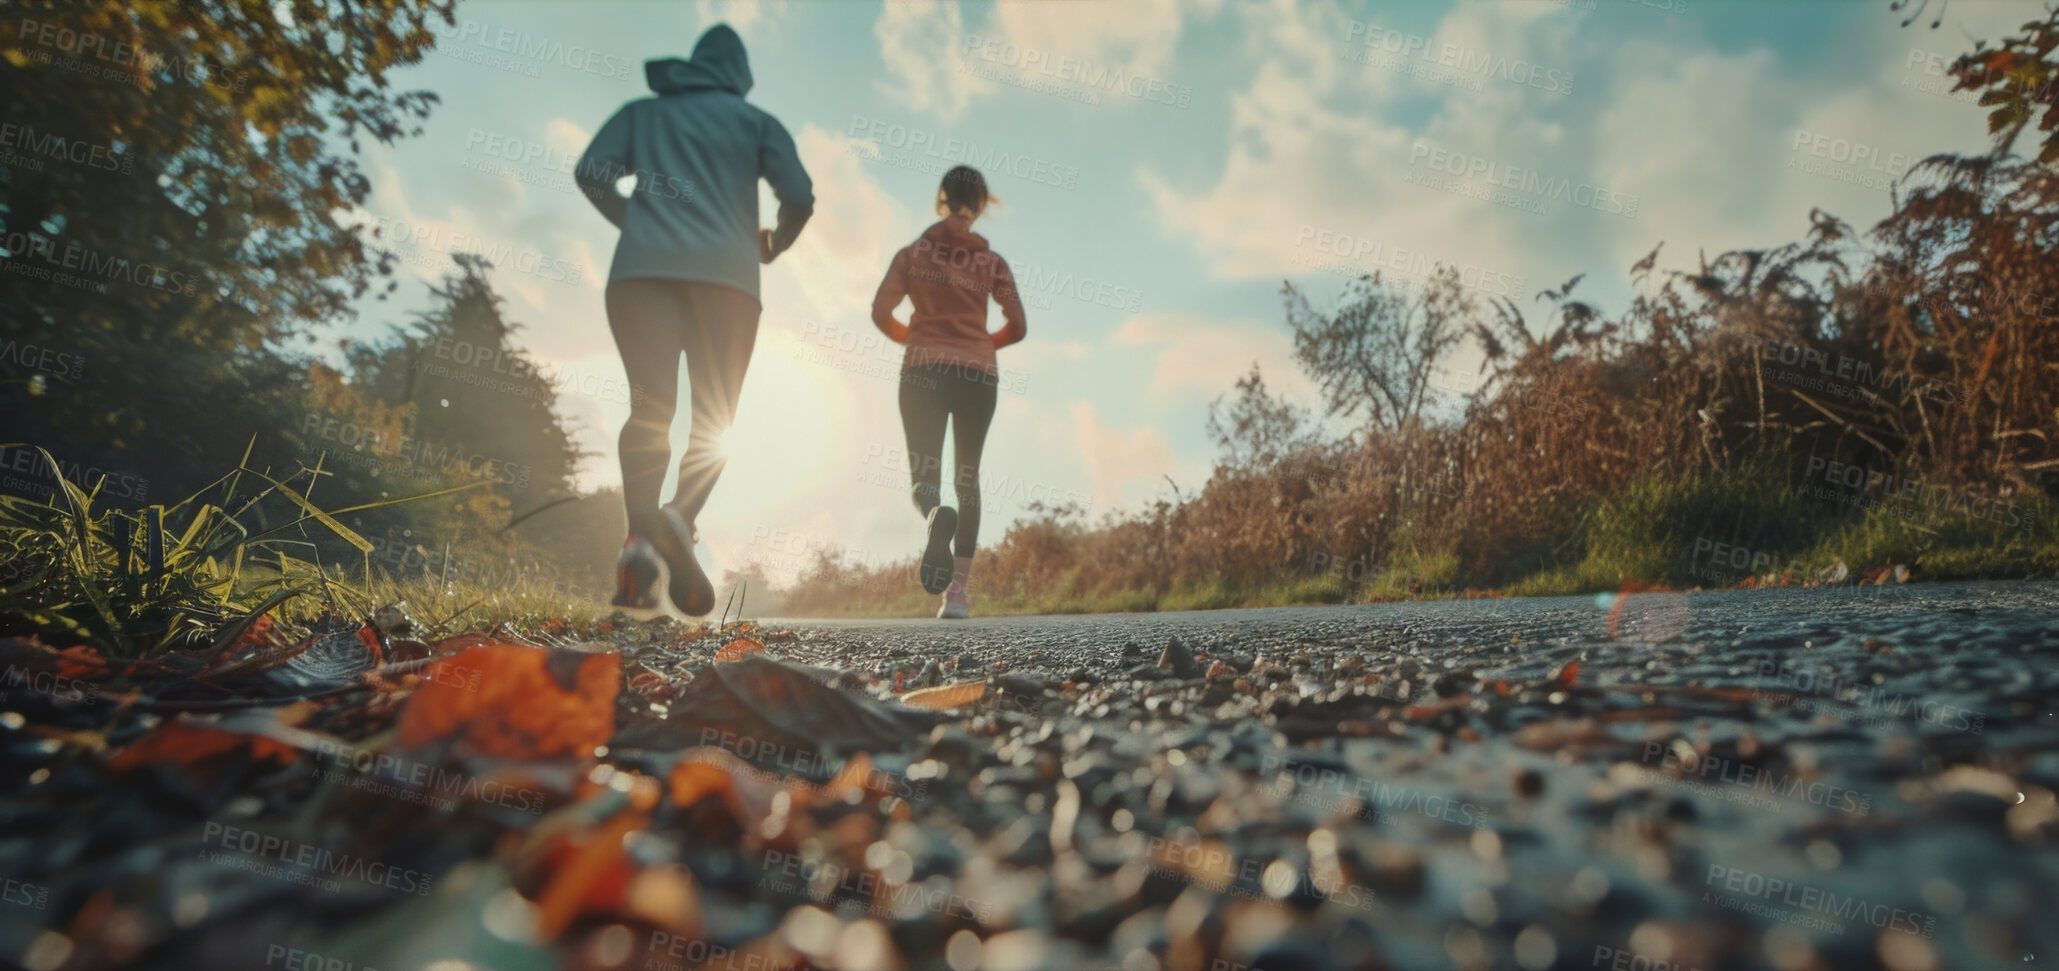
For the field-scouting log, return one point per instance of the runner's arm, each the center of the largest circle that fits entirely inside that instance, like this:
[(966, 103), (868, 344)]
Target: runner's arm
[(1010, 299), (605, 162), (891, 291), (780, 163)]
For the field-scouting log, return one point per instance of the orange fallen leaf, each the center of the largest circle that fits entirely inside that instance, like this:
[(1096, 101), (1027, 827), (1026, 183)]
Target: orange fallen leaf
[(369, 637), (747, 791), (1570, 674), (736, 649), (513, 701), (945, 697), (81, 663), (590, 872), (186, 743)]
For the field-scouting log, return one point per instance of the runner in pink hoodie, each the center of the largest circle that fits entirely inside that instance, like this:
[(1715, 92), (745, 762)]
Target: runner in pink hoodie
[(948, 373)]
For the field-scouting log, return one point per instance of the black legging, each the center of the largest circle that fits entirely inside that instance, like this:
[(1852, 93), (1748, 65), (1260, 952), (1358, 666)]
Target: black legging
[(930, 395), (655, 321)]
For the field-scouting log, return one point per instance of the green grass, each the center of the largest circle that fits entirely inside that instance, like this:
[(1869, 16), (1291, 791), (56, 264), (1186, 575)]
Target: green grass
[(1677, 534), (191, 575), (186, 576)]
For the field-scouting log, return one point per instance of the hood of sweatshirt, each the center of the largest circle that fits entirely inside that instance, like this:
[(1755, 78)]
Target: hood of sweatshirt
[(718, 62), (941, 234)]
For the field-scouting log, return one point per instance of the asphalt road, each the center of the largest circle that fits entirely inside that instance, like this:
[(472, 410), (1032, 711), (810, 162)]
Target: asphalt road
[(1857, 777)]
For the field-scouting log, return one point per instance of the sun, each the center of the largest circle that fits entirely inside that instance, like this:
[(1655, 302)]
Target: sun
[(783, 445)]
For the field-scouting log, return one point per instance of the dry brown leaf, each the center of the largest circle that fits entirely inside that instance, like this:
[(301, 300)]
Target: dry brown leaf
[(945, 697), (736, 649), (184, 742), (512, 701)]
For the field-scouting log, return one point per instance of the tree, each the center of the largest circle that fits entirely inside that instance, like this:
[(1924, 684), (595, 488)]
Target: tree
[(172, 224), (2017, 78), (1374, 355), (478, 397), (1259, 428)]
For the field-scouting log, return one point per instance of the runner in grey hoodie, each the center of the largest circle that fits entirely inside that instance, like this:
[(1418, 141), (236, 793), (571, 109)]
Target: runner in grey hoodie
[(685, 281)]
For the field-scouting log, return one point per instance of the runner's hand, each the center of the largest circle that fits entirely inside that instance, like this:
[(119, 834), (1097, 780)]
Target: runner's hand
[(765, 253)]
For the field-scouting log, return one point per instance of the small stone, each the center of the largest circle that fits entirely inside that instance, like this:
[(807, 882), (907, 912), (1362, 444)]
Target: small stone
[(1179, 660), (1528, 783)]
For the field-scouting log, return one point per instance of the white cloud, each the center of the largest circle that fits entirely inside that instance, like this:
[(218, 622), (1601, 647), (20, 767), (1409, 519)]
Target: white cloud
[(1314, 148), (857, 227), (921, 44), (1122, 463), (931, 53), (1208, 356)]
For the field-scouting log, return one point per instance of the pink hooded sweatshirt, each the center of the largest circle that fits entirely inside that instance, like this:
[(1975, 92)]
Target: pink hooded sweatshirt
[(948, 275)]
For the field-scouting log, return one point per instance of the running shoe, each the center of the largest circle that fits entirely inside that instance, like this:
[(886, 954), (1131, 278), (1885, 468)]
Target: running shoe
[(937, 563), (672, 539), (637, 575)]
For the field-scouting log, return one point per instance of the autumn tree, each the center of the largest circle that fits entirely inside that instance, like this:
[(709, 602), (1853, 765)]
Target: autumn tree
[(1373, 355), (171, 221)]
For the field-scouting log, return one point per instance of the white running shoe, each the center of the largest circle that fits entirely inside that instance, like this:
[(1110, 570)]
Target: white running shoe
[(958, 596)]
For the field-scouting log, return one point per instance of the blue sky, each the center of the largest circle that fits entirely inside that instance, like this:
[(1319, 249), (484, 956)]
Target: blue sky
[(1522, 140)]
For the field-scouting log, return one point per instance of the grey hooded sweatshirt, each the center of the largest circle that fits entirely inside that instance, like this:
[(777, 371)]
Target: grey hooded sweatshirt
[(697, 150)]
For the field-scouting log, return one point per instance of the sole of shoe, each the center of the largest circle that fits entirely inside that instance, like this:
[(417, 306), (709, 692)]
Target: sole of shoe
[(638, 575), (689, 588), (937, 562)]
